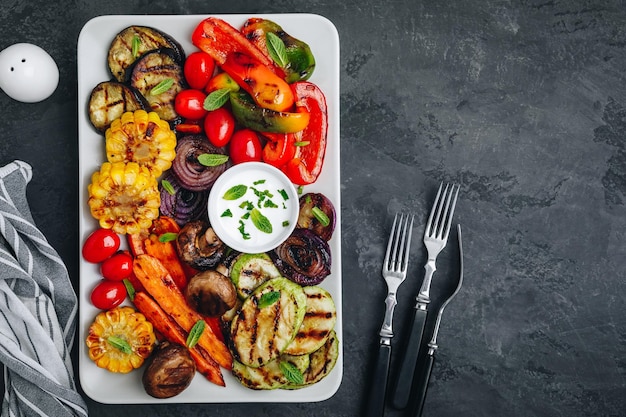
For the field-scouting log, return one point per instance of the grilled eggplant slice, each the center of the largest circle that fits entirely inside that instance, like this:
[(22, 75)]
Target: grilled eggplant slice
[(319, 320), (275, 374), (267, 322), (152, 69), (135, 41), (251, 270), (109, 100)]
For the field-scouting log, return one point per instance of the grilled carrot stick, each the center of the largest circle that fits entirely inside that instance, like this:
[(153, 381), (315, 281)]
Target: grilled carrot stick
[(159, 284), (164, 324)]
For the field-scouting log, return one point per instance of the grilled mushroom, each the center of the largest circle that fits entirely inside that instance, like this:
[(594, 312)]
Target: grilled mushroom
[(211, 293), (169, 371), (199, 246)]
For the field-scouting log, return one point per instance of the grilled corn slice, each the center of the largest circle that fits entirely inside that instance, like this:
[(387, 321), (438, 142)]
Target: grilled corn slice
[(124, 197), (141, 137), (120, 339)]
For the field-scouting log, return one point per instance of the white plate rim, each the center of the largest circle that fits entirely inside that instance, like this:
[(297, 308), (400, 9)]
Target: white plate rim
[(321, 34)]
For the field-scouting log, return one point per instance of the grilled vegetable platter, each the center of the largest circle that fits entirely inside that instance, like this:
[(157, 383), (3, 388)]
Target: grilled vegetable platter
[(168, 312)]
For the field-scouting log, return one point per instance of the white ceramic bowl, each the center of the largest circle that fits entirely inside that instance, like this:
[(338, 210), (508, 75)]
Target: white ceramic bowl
[(267, 194)]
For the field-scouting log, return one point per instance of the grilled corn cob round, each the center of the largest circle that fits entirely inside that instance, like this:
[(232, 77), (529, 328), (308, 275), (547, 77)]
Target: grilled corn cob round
[(120, 339), (141, 137), (124, 197)]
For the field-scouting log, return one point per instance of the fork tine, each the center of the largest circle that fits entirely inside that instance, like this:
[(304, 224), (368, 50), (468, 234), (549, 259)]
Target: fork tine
[(438, 224), (406, 242), (450, 212), (432, 211), (390, 244)]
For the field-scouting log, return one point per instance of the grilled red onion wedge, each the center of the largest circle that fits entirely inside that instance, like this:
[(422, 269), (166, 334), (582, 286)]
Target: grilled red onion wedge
[(304, 257), (179, 203), (191, 173)]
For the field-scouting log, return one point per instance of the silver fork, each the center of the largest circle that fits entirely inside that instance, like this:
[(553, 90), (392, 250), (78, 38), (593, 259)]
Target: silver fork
[(394, 271), (435, 239)]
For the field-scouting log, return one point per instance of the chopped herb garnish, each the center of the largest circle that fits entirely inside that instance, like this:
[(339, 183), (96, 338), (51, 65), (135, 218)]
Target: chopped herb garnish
[(136, 43), (130, 290), (268, 298), (320, 216), (242, 229), (259, 182), (286, 223), (284, 194), (269, 204), (167, 186), (120, 344), (168, 237), (246, 205), (227, 213)]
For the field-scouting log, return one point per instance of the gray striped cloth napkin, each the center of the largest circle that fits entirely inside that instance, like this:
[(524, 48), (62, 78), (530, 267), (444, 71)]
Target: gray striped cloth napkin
[(38, 309)]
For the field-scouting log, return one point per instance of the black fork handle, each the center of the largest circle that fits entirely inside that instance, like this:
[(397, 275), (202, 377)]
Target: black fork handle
[(406, 372), (375, 406)]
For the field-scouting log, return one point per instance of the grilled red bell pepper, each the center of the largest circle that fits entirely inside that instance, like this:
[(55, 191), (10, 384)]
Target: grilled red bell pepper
[(218, 38), (306, 165), (279, 149)]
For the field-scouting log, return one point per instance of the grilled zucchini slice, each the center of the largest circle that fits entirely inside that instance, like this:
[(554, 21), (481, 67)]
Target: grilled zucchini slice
[(109, 100), (319, 321), (152, 69), (132, 43), (251, 270), (321, 363), (267, 322), (275, 374)]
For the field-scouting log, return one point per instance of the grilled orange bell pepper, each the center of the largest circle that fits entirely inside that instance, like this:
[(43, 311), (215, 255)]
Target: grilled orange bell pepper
[(267, 89)]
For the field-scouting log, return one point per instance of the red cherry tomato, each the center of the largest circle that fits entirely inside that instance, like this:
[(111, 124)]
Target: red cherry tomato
[(219, 126), (189, 104), (100, 244), (198, 69), (245, 146), (118, 267), (108, 294)]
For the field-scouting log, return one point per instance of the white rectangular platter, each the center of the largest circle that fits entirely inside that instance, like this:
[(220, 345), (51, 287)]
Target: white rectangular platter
[(93, 44)]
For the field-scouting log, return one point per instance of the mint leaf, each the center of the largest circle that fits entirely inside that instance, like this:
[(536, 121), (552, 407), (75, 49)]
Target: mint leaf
[(162, 87), (260, 221), (268, 298), (216, 99), (292, 373), (195, 333), (235, 192), (276, 48), (212, 159)]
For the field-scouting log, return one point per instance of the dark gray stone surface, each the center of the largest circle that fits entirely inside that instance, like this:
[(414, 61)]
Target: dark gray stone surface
[(522, 103)]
